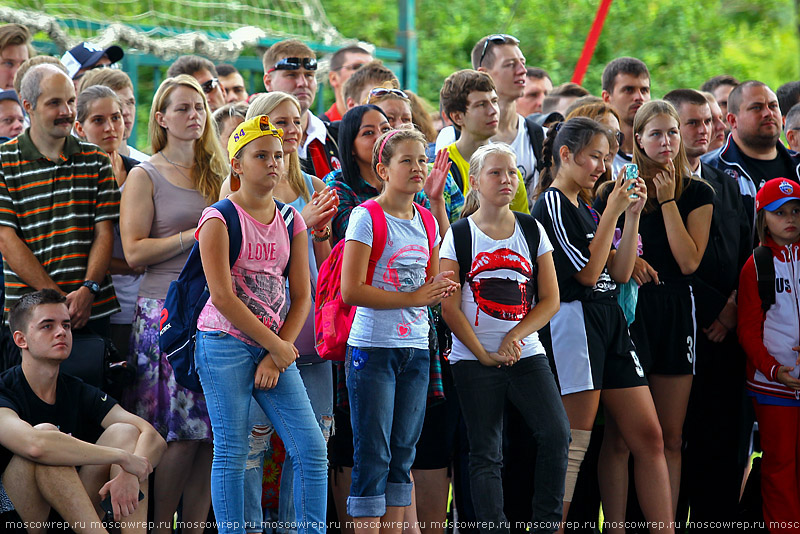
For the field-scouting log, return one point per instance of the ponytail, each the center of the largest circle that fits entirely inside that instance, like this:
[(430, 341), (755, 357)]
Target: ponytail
[(575, 134), (548, 173)]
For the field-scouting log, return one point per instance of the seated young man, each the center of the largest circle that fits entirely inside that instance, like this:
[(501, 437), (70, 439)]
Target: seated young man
[(49, 422)]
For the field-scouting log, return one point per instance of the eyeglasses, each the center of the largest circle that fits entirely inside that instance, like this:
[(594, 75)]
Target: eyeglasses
[(294, 63), (620, 136), (496, 39), (209, 85), (353, 67), (381, 92)]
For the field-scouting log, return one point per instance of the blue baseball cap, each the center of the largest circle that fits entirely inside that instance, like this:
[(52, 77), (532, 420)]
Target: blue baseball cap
[(86, 55)]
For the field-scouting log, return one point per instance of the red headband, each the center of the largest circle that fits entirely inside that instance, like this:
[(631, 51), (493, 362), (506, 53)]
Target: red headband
[(383, 144)]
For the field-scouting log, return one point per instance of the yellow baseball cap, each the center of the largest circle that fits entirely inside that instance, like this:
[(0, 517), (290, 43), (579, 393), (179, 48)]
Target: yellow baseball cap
[(251, 130)]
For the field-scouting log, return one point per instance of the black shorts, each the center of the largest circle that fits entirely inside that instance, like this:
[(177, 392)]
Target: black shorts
[(436, 445), (665, 328), (592, 349)]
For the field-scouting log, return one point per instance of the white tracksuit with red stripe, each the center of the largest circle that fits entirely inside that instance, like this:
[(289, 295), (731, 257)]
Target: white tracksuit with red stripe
[(768, 338)]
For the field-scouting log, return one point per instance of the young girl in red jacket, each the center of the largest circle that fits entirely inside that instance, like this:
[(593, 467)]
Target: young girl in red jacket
[(771, 339)]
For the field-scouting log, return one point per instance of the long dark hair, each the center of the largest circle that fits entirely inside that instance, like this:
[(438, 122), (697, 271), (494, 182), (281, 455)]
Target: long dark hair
[(348, 130), (576, 134)]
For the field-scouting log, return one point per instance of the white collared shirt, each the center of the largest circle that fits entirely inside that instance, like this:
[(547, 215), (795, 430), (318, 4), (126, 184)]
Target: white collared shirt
[(315, 130)]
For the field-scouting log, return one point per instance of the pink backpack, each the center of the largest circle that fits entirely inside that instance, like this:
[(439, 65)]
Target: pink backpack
[(332, 317)]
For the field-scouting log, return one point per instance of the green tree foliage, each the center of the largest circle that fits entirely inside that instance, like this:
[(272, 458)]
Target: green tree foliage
[(683, 42)]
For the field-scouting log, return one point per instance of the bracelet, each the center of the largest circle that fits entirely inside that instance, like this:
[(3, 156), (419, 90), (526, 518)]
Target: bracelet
[(666, 201), (180, 240), (320, 237)]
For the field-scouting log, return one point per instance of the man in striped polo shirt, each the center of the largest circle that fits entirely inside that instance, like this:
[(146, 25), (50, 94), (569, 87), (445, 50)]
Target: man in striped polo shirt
[(58, 204)]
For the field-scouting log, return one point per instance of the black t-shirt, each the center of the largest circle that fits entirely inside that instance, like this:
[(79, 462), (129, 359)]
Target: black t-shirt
[(761, 170), (571, 230), (78, 410), (655, 245)]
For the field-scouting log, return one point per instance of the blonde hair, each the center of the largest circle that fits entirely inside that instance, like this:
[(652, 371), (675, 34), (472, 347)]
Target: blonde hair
[(264, 104), (476, 163), (471, 204), (210, 165), (648, 167)]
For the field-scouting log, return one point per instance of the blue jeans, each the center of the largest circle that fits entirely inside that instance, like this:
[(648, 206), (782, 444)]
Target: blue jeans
[(530, 386), (388, 389), (227, 367), (318, 381)]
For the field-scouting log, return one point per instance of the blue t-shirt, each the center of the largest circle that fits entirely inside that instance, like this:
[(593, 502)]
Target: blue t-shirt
[(401, 267)]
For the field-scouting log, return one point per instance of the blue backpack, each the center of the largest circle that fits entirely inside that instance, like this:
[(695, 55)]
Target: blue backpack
[(188, 295)]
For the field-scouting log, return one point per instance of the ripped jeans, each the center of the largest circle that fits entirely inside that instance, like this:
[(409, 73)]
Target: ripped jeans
[(318, 381), (226, 367)]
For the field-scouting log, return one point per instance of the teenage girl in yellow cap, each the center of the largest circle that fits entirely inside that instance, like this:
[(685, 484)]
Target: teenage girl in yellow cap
[(247, 329)]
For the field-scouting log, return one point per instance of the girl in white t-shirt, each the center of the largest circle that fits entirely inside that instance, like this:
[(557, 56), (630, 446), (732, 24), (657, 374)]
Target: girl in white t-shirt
[(387, 361), (496, 354), (246, 332)]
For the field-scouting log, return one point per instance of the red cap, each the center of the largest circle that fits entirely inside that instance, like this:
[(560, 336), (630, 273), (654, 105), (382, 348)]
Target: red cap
[(776, 193)]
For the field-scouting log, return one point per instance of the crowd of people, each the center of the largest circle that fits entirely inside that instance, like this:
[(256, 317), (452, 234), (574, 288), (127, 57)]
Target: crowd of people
[(551, 291)]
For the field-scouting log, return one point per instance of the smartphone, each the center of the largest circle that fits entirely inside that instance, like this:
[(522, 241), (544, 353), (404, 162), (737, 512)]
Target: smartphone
[(632, 173), (105, 504)]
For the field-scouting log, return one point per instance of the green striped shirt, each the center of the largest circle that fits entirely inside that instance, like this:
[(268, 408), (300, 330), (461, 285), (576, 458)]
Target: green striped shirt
[(54, 206)]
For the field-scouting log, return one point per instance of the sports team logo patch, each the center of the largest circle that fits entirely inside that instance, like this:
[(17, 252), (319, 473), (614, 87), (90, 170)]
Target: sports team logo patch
[(733, 173), (786, 188)]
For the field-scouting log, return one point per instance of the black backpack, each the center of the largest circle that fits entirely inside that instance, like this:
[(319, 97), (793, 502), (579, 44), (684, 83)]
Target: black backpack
[(765, 274)]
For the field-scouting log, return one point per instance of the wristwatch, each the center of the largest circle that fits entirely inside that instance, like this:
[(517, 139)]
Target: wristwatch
[(93, 286)]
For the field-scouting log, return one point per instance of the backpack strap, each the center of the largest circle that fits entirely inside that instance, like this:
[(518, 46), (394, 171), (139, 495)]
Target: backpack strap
[(765, 274), (430, 229), (455, 172), (530, 230), (287, 213), (536, 136), (462, 240), (379, 235), (228, 211)]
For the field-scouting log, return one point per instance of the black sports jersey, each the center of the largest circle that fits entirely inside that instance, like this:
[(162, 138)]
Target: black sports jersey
[(655, 245), (571, 230), (78, 410)]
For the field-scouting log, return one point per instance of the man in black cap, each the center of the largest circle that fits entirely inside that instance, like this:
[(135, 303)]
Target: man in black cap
[(12, 119), (86, 56)]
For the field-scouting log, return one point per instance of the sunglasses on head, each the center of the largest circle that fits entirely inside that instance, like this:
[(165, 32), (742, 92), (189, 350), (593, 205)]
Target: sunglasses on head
[(380, 92), (294, 63), (496, 39), (209, 85)]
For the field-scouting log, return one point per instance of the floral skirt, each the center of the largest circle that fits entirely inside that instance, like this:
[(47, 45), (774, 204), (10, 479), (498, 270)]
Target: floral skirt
[(177, 413)]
